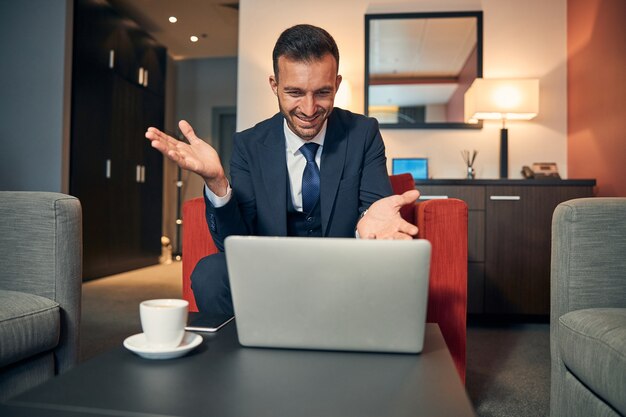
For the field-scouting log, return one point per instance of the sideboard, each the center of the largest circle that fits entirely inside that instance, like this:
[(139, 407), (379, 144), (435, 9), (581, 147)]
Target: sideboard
[(509, 238)]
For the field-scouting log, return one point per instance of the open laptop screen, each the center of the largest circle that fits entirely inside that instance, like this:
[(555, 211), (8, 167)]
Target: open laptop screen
[(418, 167)]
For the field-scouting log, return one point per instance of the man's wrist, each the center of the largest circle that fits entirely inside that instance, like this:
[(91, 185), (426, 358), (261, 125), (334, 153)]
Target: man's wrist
[(218, 186), (356, 228)]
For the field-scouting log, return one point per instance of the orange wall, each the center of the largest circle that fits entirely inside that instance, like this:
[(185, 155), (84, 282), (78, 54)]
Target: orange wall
[(596, 86)]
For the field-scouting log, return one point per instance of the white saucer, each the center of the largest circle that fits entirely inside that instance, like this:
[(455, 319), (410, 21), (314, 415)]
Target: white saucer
[(137, 344)]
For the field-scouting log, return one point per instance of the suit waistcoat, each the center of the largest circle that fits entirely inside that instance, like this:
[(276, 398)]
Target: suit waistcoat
[(303, 224)]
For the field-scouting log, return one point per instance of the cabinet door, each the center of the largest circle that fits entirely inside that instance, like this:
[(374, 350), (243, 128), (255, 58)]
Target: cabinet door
[(152, 186), (518, 237), (94, 25), (474, 197), (102, 37), (508, 288), (124, 221), (90, 161), (125, 58)]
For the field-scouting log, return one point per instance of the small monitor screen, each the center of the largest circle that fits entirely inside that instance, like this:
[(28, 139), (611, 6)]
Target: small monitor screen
[(418, 167)]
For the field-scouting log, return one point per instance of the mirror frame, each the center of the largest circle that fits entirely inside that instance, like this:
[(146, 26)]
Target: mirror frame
[(479, 70)]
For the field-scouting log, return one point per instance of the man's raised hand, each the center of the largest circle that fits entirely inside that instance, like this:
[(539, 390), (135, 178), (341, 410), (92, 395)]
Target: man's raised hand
[(196, 156), (383, 220)]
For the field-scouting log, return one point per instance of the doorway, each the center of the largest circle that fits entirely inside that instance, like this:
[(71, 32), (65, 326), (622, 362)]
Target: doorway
[(224, 126)]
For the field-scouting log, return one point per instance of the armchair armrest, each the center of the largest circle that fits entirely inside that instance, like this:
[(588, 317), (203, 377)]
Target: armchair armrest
[(42, 241), (588, 262), (444, 224)]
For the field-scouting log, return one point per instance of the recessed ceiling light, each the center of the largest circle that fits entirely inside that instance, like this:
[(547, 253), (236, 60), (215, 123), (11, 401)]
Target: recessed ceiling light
[(173, 19), (194, 38)]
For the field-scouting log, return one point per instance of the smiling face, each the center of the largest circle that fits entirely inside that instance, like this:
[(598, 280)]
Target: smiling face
[(306, 93)]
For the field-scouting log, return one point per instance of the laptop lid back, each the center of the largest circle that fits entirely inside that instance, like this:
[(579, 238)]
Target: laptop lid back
[(329, 293)]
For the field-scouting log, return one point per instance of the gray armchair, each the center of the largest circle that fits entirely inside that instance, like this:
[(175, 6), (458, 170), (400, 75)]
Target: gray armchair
[(40, 287), (588, 308)]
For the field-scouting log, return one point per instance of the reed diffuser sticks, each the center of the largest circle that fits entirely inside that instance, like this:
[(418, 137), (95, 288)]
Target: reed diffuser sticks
[(469, 159)]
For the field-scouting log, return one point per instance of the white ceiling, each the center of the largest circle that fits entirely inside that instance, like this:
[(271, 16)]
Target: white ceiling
[(436, 47), (214, 22)]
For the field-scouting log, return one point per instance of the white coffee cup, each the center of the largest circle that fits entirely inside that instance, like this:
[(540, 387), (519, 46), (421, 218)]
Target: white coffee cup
[(163, 322)]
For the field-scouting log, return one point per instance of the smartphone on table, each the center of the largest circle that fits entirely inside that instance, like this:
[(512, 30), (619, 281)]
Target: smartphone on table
[(198, 322)]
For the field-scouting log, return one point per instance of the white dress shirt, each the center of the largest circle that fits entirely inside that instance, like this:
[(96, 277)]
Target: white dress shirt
[(295, 167)]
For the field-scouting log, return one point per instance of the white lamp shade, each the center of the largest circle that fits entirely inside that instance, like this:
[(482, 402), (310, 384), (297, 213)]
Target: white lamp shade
[(495, 99)]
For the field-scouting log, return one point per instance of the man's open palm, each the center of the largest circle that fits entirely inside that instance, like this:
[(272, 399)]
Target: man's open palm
[(196, 156), (383, 220)]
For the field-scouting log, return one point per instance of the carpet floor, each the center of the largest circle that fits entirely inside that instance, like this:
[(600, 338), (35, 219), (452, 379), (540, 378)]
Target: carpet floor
[(110, 311), (508, 365), (508, 369)]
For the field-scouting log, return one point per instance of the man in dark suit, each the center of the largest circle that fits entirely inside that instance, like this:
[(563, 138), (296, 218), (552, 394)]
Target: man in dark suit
[(311, 170)]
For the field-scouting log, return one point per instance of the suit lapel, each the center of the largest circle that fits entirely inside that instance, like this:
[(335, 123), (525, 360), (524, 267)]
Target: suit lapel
[(331, 167), (274, 172)]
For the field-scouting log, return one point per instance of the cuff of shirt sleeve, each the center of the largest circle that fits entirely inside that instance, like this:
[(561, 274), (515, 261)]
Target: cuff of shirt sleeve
[(218, 201), (356, 231)]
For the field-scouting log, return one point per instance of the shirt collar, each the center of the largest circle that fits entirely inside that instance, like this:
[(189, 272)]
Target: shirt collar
[(294, 142)]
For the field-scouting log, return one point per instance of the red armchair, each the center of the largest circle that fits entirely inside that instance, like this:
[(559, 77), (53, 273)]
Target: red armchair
[(442, 222)]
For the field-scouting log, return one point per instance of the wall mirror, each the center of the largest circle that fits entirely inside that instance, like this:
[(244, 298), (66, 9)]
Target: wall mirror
[(418, 67)]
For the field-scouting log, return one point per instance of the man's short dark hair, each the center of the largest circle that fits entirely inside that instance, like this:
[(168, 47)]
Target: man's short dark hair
[(304, 43)]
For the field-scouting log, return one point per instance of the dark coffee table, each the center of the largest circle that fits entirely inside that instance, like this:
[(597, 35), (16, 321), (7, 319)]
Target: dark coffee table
[(221, 378)]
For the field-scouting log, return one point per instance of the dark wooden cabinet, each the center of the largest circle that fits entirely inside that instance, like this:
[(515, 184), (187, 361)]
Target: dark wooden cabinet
[(108, 40), (113, 170), (509, 238)]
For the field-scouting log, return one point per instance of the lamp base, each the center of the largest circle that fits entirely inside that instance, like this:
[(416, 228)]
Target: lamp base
[(504, 153)]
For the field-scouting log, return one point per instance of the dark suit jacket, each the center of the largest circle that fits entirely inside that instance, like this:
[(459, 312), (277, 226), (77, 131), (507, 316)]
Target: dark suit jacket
[(352, 169)]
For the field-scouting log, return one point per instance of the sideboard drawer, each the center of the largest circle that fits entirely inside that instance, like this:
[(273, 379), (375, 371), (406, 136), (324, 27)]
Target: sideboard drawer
[(474, 196)]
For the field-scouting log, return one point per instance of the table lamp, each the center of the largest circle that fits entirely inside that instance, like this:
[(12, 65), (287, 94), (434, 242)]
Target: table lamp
[(502, 99)]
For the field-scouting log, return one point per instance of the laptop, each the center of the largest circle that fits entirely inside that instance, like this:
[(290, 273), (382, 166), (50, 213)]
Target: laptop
[(329, 293), (417, 167)]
